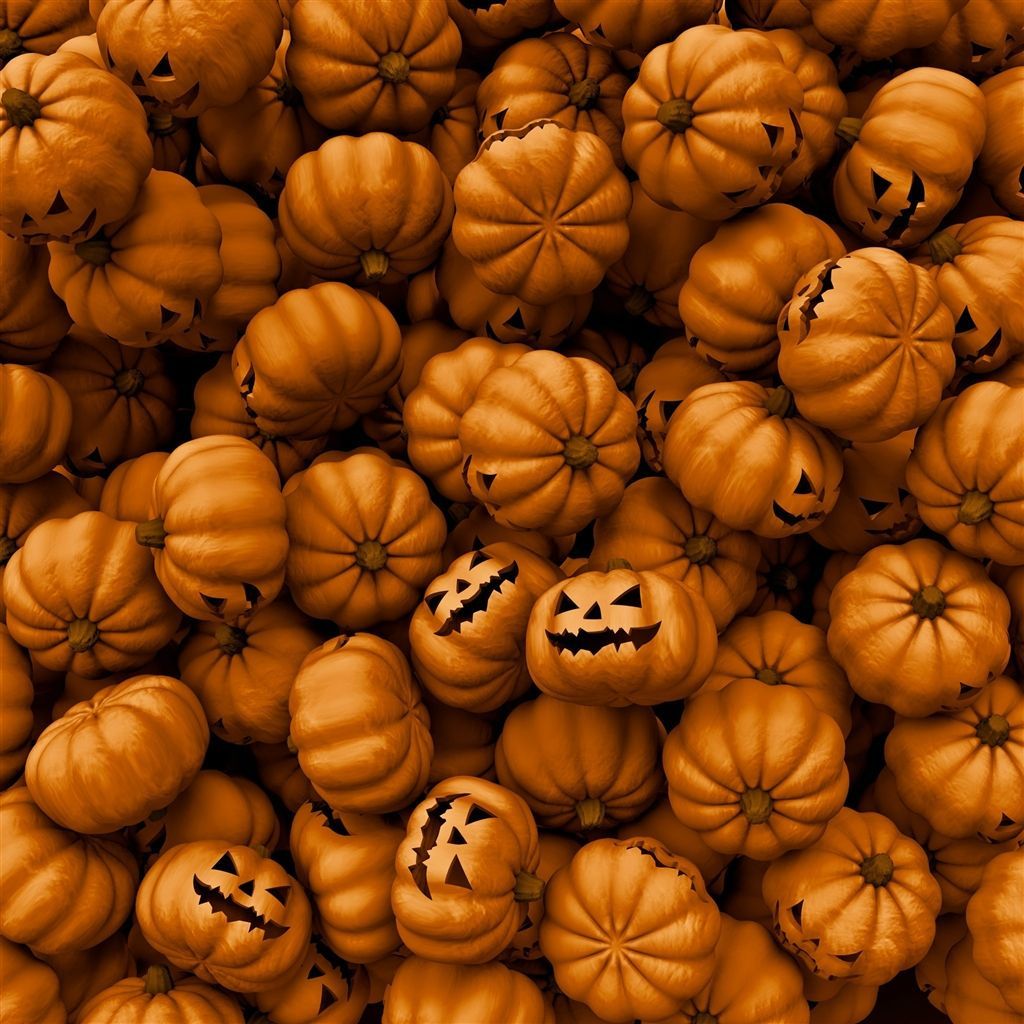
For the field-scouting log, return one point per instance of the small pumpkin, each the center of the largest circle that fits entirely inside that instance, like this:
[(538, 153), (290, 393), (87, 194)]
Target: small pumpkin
[(156, 994), (783, 572), (35, 423), (32, 319), (1001, 160), (453, 133), (836, 567), (969, 995), (323, 988), (995, 927), (637, 28), (85, 973), (31, 993), (279, 773), (125, 494), (16, 720), (41, 27)]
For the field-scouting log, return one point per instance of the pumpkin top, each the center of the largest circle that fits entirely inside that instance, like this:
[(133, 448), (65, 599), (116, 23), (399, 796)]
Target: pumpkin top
[(20, 107), (877, 869), (929, 602), (993, 731), (676, 115), (158, 980)]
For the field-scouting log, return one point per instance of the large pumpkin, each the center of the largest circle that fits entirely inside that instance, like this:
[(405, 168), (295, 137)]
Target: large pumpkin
[(126, 492), (1001, 161), (969, 996), (324, 987), (637, 28), (32, 319), (156, 996), (996, 927), (35, 423), (30, 990)]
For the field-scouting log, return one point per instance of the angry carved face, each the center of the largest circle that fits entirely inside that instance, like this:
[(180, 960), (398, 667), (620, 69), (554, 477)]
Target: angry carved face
[(467, 590)]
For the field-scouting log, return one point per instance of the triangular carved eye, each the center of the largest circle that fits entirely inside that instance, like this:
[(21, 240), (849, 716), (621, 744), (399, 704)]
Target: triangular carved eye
[(226, 864), (280, 893), (315, 971), (433, 601), (461, 585), (248, 887), (327, 998), (477, 813), (773, 132), (457, 875), (215, 604), (456, 838), (804, 485), (58, 205), (499, 118), (668, 407), (163, 68), (486, 480), (515, 321), (965, 322), (849, 958), (879, 185), (874, 508), (903, 493), (797, 910), (565, 604), (630, 598), (478, 557)]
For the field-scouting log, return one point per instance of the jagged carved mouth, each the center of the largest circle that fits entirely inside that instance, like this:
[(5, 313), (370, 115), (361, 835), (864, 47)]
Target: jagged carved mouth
[(235, 911), (479, 601), (593, 641)]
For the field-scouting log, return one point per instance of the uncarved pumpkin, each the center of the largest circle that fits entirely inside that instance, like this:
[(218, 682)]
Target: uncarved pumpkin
[(31, 993), (42, 27), (35, 423), (85, 973), (969, 996), (995, 927), (126, 492), (637, 28), (32, 319), (156, 996)]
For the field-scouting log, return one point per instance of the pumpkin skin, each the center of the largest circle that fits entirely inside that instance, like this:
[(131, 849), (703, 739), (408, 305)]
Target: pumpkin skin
[(881, 190), (735, 450), (837, 566), (369, 209), (620, 637), (323, 988), (62, 891), (483, 837), (622, 357), (995, 927), (478, 530), (155, 730), (35, 423), (829, 900), (978, 40), (960, 770), (453, 126), (741, 279), (969, 996), (930, 973), (580, 768), (176, 57), (468, 634), (83, 974), (316, 360), (463, 743), (149, 275), (82, 597), (967, 476), (554, 473), (50, 192), (637, 28), (155, 997), (218, 551), (1002, 156), (379, 547), (126, 491), (346, 862), (42, 27), (659, 956), (541, 256), (783, 571), (16, 720), (360, 69), (694, 136), (878, 633), (840, 365), (32, 319), (182, 907), (278, 771), (31, 993)]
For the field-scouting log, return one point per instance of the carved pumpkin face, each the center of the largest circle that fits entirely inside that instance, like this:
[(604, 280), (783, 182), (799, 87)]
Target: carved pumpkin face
[(323, 982), (226, 889), (473, 585)]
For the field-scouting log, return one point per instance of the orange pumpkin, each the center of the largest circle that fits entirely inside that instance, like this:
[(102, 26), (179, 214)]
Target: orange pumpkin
[(858, 904), (478, 529), (463, 743), (16, 720), (1001, 161), (622, 357), (969, 995), (32, 319), (637, 28), (323, 987), (35, 423), (837, 566), (930, 973), (452, 136), (171, 136), (278, 770), (82, 597), (84, 973), (30, 990), (995, 926), (156, 996), (41, 27), (783, 571), (126, 492), (841, 1003)]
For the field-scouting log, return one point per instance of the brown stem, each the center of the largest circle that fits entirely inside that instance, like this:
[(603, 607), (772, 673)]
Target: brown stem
[(700, 549), (151, 534), (230, 639), (590, 812), (96, 250), (21, 108), (781, 580), (779, 402), (849, 128), (625, 376), (993, 731), (288, 94), (975, 507), (82, 635), (584, 94), (394, 67), (768, 676), (617, 563), (10, 44), (260, 849), (675, 115), (704, 1018), (130, 382), (158, 980), (756, 804), (929, 602), (162, 122), (371, 555), (374, 263), (877, 870), (943, 248), (639, 301), (529, 887), (580, 452)]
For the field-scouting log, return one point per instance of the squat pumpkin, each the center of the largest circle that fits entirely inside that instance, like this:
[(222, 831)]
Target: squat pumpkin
[(35, 423), (32, 319), (995, 926)]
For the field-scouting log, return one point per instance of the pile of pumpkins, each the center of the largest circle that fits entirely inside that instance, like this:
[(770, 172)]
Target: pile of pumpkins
[(511, 512)]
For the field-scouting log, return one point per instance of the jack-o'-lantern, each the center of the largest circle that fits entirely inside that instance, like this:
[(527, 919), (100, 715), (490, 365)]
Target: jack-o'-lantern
[(468, 632)]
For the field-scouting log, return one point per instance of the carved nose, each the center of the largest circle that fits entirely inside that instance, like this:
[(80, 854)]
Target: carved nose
[(461, 585), (593, 612)]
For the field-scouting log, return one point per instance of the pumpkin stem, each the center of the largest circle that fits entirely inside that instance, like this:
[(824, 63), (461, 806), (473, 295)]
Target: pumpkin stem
[(130, 382), (288, 94), (96, 250), (943, 248), (590, 812), (617, 563), (676, 115), (975, 508), (290, 744), (10, 44), (700, 549), (394, 67), (230, 639), (82, 635), (756, 804), (929, 602), (779, 402), (371, 555), (528, 887), (993, 731), (877, 870), (705, 1018), (768, 676), (374, 263), (260, 849), (580, 452), (625, 376), (440, 115), (7, 549), (21, 108), (639, 301), (158, 980), (162, 122), (849, 128), (151, 534), (781, 579), (584, 94)]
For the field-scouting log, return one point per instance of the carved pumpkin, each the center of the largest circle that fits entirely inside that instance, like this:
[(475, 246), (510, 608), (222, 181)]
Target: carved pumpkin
[(636, 27), (966, 472), (969, 995), (157, 994), (30, 991), (740, 280), (629, 929), (35, 423), (978, 40), (878, 633), (528, 229), (539, 463), (834, 1002), (82, 597), (1001, 161), (228, 914), (58, 195), (324, 988), (468, 634), (737, 451), (995, 926), (32, 319), (783, 572), (829, 901), (127, 490), (16, 720), (62, 891), (347, 863), (85, 973), (465, 873)]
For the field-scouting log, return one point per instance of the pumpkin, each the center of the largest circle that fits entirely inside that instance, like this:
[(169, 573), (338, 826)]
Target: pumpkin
[(126, 491), (478, 529), (620, 637), (694, 136), (176, 57), (995, 927), (156, 997), (1012, 582), (738, 451), (122, 401), (434, 408), (152, 726), (216, 528), (874, 505), (858, 904), (149, 275), (257, 139), (1001, 160), (960, 770), (362, 68), (742, 891), (324, 987), (171, 138), (84, 973), (31, 993), (463, 743), (772, 14), (741, 279), (425, 992), (580, 768), (836, 567), (16, 721), (840, 365), (41, 27), (622, 357), (540, 462), (527, 228), (62, 891), (468, 634), (49, 191), (849, 1004), (977, 40), (783, 571), (82, 597), (35, 423), (892, 194), (452, 136), (32, 319), (966, 472), (316, 360), (347, 864), (192, 898), (637, 28), (930, 973), (969, 995), (384, 215), (878, 636), (629, 929), (380, 544), (278, 770)]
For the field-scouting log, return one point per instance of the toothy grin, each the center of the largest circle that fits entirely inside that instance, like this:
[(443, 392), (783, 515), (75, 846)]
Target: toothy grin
[(593, 641)]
